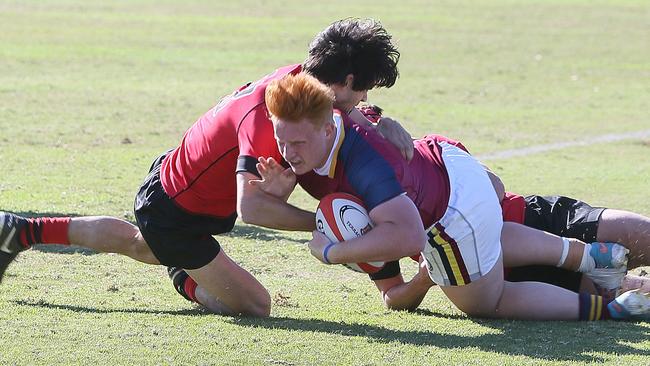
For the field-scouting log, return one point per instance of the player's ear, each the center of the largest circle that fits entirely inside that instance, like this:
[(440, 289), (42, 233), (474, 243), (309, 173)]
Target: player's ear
[(330, 128), (349, 81)]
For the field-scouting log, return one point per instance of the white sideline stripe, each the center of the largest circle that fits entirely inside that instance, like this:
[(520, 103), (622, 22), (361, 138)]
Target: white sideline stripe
[(507, 154)]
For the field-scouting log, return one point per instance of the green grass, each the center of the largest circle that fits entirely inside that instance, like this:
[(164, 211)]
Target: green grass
[(91, 92)]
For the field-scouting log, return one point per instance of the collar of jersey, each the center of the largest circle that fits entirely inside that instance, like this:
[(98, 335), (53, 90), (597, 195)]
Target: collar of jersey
[(330, 165)]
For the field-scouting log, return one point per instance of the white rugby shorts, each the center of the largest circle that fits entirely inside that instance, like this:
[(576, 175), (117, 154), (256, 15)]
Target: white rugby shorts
[(465, 243)]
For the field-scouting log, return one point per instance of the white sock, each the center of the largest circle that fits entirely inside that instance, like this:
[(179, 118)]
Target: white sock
[(588, 263), (565, 252)]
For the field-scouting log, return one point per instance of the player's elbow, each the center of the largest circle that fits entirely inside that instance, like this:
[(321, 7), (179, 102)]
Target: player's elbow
[(412, 241), (248, 210), (396, 306)]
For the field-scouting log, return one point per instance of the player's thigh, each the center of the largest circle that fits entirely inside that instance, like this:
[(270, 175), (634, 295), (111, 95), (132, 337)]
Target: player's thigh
[(631, 230), (231, 284), (480, 297)]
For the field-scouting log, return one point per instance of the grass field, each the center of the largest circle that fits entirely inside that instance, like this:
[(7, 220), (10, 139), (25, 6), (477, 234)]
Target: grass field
[(91, 92)]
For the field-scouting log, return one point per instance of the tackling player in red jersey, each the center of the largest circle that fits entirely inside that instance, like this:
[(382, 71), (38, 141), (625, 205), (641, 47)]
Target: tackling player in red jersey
[(462, 245), (198, 189)]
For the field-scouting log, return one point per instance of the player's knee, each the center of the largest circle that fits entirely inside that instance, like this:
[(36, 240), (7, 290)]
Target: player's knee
[(481, 308), (139, 249), (260, 307), (480, 311)]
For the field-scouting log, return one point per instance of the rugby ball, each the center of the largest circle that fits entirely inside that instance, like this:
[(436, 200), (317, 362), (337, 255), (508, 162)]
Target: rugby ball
[(341, 217)]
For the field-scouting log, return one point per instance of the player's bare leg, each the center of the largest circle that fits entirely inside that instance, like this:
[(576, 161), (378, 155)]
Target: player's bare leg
[(226, 288), (630, 229), (110, 235), (632, 282), (492, 297), (101, 233), (524, 246)]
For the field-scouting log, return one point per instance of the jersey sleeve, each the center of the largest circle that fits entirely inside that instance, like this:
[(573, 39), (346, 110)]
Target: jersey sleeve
[(369, 173), (255, 139), (390, 270)]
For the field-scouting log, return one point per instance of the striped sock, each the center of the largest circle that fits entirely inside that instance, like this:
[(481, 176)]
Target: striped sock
[(593, 307), (190, 289), (45, 230), (183, 283)]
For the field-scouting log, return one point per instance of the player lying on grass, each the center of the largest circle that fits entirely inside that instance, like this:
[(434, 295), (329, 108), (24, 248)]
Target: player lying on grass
[(565, 216), (197, 189), (442, 189), (399, 295), (562, 216)]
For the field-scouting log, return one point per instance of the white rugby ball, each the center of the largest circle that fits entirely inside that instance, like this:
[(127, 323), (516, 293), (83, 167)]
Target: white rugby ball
[(341, 217)]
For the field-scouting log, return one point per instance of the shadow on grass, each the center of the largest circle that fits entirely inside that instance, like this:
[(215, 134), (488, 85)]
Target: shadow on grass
[(89, 310), (564, 341)]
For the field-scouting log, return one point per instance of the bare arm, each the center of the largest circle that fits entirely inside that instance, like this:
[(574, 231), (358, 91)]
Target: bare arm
[(397, 233), (390, 129), (400, 295), (259, 208)]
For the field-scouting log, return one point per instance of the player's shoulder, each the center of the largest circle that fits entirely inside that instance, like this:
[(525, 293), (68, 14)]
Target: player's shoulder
[(250, 96), (435, 139)]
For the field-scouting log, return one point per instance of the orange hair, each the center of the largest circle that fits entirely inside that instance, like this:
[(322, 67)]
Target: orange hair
[(297, 97)]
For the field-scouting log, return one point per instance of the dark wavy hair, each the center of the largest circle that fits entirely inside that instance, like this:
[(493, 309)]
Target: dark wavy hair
[(361, 47)]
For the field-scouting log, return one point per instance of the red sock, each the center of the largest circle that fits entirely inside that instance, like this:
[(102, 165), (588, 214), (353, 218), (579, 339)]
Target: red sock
[(190, 289), (45, 230)]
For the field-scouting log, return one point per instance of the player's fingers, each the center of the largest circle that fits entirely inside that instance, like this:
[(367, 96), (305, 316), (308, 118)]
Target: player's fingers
[(287, 172), (261, 168)]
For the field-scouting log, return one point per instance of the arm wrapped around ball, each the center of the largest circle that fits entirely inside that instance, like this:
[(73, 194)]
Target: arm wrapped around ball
[(397, 233)]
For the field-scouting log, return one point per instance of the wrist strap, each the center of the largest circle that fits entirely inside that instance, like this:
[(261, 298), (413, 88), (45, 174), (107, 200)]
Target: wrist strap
[(326, 250)]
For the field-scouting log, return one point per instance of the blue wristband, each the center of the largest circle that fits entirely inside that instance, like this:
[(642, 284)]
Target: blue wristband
[(326, 250)]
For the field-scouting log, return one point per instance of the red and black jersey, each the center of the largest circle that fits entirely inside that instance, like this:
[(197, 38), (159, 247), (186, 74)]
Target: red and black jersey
[(200, 174)]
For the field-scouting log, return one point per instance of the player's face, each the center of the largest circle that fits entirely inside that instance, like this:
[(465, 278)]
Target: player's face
[(347, 98), (304, 145)]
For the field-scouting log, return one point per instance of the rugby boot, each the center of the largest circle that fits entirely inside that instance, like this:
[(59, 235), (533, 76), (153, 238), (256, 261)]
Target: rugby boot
[(632, 305), (10, 227), (609, 255)]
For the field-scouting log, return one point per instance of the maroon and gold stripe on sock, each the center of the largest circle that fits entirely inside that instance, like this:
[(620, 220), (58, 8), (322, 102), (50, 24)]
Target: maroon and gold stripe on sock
[(450, 254), (593, 307)]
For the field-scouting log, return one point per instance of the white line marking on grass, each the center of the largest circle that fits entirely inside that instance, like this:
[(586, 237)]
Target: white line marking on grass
[(507, 154)]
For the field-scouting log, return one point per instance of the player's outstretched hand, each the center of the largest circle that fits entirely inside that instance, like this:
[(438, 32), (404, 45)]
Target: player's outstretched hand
[(393, 131), (318, 244), (276, 180), (423, 273)]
